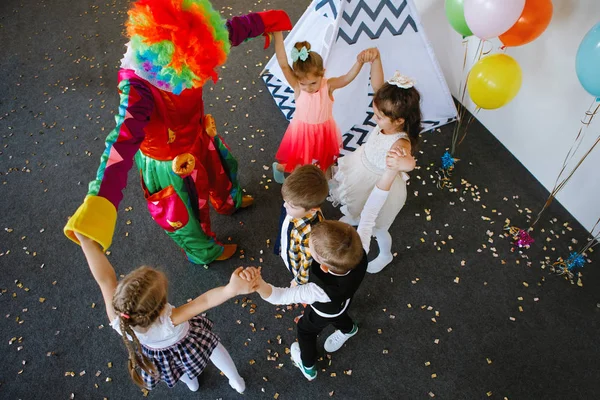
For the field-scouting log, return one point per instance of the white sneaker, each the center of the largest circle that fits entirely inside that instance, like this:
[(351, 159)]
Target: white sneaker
[(336, 340), (309, 373), (239, 386), (192, 384), (379, 263)]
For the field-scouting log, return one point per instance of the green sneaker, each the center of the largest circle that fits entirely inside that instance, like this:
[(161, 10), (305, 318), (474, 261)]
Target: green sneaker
[(309, 373), (278, 176), (336, 340)]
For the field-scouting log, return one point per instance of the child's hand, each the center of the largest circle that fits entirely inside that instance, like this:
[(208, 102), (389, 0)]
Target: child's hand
[(361, 57), (372, 54), (250, 273), (277, 36), (82, 238), (238, 283), (368, 55), (396, 152), (87, 244), (398, 159)]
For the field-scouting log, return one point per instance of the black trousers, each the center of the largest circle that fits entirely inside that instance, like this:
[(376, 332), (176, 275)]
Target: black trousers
[(309, 327)]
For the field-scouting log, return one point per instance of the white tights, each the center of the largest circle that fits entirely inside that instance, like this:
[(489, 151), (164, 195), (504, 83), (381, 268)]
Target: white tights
[(221, 359), (384, 240)]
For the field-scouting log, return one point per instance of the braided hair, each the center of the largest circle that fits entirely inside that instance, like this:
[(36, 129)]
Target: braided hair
[(139, 300)]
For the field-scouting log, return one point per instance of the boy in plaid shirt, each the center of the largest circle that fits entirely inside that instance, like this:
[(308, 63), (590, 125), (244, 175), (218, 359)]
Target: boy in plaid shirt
[(337, 271), (303, 193)]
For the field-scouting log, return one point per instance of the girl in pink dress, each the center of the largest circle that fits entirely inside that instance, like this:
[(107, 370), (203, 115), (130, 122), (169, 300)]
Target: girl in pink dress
[(312, 137)]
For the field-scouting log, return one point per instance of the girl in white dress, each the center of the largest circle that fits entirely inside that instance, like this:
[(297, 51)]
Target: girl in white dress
[(396, 106)]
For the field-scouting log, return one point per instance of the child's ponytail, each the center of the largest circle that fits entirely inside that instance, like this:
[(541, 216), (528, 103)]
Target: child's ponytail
[(413, 127), (306, 61), (139, 300)]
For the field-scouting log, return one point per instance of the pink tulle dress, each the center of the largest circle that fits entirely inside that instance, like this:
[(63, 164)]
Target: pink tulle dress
[(312, 137)]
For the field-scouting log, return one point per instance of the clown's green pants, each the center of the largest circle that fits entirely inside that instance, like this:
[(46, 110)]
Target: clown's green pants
[(180, 205)]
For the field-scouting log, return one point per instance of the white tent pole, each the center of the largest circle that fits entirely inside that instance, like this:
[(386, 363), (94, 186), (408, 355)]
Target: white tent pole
[(336, 26)]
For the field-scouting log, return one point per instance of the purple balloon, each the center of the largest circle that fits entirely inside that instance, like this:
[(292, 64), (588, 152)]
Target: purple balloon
[(490, 18)]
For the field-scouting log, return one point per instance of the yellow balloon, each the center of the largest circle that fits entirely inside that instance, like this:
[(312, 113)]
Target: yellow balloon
[(494, 81)]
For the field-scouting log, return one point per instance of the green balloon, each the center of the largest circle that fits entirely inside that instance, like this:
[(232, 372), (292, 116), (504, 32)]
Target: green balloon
[(456, 16)]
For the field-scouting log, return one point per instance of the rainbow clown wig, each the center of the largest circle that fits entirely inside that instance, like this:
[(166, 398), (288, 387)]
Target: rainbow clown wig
[(176, 44)]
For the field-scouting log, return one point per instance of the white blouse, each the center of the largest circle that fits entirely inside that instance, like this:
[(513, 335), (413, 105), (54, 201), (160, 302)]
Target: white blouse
[(162, 333)]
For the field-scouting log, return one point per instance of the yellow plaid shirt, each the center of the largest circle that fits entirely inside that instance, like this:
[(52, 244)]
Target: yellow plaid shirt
[(298, 252)]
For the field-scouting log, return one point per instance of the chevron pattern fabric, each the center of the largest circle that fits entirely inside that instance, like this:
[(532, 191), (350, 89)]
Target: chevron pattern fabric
[(386, 24), (282, 94), (363, 20), (322, 5)]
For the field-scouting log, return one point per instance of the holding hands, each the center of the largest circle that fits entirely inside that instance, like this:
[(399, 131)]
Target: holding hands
[(254, 278), (244, 280), (368, 55)]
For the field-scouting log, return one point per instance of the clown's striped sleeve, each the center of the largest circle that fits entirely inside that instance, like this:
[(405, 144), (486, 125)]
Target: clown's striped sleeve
[(97, 216)]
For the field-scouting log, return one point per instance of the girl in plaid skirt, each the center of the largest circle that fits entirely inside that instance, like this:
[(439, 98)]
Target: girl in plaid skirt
[(164, 342)]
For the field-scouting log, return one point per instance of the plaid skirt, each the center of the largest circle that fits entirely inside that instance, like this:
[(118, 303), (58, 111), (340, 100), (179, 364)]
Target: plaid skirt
[(188, 356)]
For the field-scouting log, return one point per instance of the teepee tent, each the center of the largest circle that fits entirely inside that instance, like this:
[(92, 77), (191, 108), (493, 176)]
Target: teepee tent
[(338, 30)]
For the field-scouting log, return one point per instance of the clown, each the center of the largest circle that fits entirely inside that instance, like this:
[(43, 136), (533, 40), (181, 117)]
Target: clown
[(174, 47)]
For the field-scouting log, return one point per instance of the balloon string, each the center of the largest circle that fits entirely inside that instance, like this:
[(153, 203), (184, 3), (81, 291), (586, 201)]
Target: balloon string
[(557, 188), (465, 44), (455, 134), (462, 88), (471, 117), (463, 85), (485, 53), (462, 109), (480, 49), (475, 59), (593, 241), (578, 139)]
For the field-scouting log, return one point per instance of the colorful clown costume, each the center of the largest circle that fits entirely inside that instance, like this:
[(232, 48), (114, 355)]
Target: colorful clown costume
[(184, 166)]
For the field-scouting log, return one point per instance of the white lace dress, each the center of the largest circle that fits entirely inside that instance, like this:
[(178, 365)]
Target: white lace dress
[(357, 174)]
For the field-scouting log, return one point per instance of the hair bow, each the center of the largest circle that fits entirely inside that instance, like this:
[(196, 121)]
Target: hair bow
[(302, 54), (402, 81)]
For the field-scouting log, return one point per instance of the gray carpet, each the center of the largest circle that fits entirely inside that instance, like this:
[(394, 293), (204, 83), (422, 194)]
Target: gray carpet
[(435, 323)]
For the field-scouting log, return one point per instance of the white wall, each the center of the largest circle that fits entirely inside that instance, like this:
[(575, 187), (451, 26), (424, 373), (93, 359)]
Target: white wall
[(539, 125)]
